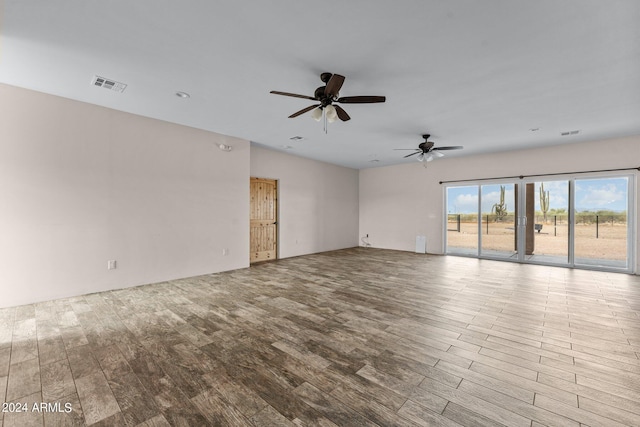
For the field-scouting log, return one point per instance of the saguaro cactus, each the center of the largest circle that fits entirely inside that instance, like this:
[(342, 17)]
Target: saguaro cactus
[(544, 201), (500, 209)]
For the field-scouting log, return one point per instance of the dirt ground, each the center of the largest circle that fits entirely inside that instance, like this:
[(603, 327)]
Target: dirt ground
[(611, 243)]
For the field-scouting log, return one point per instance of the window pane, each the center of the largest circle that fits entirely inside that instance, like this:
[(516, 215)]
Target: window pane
[(551, 222), (601, 222), (498, 220), (462, 220)]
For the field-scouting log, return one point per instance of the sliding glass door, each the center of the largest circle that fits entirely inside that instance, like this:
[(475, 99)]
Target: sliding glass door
[(581, 222)]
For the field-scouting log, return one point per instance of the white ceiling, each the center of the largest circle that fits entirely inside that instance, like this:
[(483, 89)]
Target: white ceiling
[(475, 73)]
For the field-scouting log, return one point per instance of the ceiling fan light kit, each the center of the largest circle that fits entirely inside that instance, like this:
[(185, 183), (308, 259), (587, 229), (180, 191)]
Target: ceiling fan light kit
[(316, 114), (331, 113)]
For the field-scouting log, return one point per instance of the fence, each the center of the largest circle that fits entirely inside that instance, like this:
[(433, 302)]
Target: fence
[(581, 218)]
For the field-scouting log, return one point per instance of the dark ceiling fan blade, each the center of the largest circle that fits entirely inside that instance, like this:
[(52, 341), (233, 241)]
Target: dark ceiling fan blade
[(412, 154), (361, 99), (342, 115), (304, 110), (456, 147), (333, 85), (404, 149), (295, 95)]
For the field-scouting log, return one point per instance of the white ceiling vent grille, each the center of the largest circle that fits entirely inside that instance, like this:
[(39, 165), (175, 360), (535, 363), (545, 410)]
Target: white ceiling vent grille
[(571, 132), (108, 84)]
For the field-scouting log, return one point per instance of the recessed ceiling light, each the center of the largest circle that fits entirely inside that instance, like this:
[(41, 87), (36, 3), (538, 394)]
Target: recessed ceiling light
[(374, 161), (571, 132), (183, 95), (286, 147)]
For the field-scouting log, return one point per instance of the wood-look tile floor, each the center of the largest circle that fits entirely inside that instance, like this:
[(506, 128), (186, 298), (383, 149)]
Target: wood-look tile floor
[(354, 337)]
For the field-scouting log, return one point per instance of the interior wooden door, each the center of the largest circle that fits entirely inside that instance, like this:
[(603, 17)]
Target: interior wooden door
[(263, 232)]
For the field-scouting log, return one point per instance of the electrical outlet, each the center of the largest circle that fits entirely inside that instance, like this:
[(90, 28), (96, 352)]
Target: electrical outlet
[(111, 264)]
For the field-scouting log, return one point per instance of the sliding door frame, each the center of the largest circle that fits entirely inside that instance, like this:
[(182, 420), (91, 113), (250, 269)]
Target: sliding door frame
[(631, 262), (632, 236), (522, 239)]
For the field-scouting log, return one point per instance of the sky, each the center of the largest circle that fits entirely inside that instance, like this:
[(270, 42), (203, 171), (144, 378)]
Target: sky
[(591, 195)]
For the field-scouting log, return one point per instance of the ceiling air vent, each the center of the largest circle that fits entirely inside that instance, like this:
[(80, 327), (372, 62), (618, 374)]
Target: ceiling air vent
[(108, 84), (571, 132)]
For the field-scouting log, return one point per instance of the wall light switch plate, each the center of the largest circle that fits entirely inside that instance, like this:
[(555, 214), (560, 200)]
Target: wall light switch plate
[(111, 264)]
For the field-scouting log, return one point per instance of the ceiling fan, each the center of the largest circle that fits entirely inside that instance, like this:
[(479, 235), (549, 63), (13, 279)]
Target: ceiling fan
[(426, 150), (326, 96)]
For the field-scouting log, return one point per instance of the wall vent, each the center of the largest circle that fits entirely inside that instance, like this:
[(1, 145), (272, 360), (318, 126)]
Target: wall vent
[(571, 132), (108, 84)]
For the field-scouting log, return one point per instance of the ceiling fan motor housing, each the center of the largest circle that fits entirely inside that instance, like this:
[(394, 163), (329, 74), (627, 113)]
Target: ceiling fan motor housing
[(325, 77), (425, 146), (320, 95)]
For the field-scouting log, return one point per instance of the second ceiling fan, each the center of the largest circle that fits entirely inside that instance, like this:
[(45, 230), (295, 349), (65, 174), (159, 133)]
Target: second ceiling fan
[(326, 96), (426, 150)]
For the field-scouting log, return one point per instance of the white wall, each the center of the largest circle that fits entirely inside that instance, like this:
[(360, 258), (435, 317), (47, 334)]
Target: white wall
[(318, 202), (81, 184), (396, 205), (399, 202)]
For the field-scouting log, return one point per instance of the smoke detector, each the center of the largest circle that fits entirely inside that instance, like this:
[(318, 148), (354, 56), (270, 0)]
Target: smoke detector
[(108, 84)]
